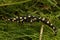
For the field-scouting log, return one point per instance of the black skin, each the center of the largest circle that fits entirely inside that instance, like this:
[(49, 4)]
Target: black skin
[(28, 19)]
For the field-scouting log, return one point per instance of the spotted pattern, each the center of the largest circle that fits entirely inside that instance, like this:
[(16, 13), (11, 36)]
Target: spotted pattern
[(32, 19)]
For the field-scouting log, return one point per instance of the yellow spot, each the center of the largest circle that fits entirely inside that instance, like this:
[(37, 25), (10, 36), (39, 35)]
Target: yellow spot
[(47, 22), (8, 19), (39, 17), (24, 17), (29, 16), (43, 19), (20, 17)]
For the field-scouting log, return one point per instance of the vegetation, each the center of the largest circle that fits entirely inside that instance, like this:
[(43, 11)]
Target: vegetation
[(27, 31)]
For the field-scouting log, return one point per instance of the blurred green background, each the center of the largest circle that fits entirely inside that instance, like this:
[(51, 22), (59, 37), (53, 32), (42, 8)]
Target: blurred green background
[(27, 31)]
